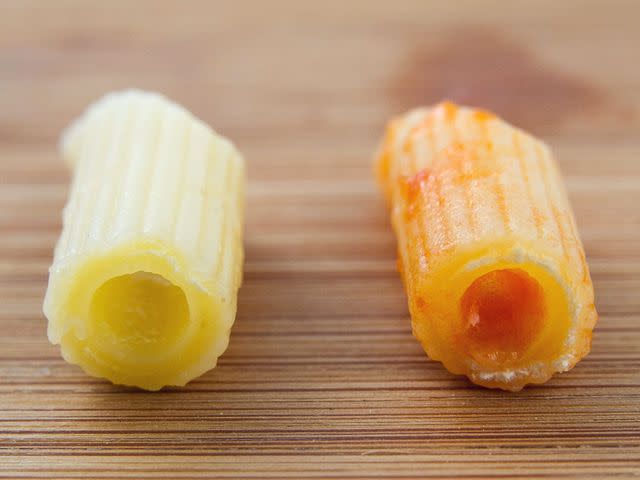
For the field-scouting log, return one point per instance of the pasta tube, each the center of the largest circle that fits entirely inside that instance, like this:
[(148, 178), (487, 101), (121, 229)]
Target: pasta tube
[(498, 285), (144, 280)]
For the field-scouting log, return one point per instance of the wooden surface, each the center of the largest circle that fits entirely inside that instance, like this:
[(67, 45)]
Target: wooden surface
[(322, 378)]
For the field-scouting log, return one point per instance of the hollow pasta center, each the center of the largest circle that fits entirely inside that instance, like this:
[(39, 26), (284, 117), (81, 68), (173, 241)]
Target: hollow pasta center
[(503, 314), (138, 314)]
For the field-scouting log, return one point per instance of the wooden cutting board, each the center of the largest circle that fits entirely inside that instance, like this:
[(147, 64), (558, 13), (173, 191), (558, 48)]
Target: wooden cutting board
[(323, 377)]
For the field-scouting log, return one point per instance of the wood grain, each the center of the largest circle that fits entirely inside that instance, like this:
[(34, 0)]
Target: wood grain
[(322, 378)]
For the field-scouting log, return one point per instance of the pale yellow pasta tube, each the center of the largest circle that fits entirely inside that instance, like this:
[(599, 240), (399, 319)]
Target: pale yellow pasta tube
[(144, 280)]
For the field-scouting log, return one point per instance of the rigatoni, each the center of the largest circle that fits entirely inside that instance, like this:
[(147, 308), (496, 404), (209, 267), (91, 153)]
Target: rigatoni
[(144, 281), (498, 286)]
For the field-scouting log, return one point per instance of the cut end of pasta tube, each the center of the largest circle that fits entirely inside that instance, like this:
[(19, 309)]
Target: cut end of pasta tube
[(503, 321), (144, 282), (498, 285)]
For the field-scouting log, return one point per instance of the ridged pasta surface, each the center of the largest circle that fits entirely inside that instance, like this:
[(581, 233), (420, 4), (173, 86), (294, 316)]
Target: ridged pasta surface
[(154, 191), (470, 194)]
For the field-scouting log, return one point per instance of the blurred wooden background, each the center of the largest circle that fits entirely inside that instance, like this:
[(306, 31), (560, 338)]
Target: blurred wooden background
[(322, 378)]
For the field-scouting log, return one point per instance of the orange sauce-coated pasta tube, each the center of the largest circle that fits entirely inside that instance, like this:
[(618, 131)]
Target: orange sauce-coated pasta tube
[(498, 285)]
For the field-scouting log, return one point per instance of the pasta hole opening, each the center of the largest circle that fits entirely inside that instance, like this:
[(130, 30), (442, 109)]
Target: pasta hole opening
[(503, 314), (141, 313)]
